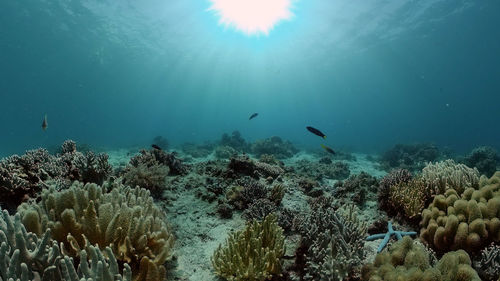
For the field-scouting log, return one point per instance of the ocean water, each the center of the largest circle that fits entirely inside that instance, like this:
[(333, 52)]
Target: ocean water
[(369, 74)]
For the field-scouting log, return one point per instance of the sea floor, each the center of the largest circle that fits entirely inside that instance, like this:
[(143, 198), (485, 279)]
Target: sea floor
[(199, 231)]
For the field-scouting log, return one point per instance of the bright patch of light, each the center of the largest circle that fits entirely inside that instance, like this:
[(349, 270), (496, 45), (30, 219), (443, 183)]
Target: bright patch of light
[(252, 16)]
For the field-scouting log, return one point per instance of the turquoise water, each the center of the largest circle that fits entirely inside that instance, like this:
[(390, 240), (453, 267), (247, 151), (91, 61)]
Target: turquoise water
[(369, 74)]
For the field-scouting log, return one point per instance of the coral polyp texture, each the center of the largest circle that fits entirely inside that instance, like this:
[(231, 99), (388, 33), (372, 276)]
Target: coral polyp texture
[(251, 254), (123, 218), (407, 260), (467, 221)]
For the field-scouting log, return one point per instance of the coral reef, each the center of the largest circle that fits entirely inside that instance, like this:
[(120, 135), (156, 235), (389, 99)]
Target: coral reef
[(409, 199), (487, 263), (161, 142), (235, 141), (225, 152), (197, 150), (443, 175), (332, 241), (242, 164), (356, 188), (251, 254), (152, 178), (318, 171), (155, 156), (407, 260), (395, 177), (117, 216), (484, 158), (259, 209), (274, 146), (467, 221), (412, 157)]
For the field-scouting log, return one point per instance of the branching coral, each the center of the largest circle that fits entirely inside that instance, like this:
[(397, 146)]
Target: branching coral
[(337, 170), (235, 141), (488, 263), (251, 254), (152, 178), (395, 177), (156, 156), (409, 156), (409, 199), (407, 260), (356, 187), (448, 174), (469, 221), (123, 218), (244, 165)]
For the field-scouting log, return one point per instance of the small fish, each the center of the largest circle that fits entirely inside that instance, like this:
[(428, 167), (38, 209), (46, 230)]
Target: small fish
[(156, 147), (316, 132), (253, 116), (45, 124), (329, 150)]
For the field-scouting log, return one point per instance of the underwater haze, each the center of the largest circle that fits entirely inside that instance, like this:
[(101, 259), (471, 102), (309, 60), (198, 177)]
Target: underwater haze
[(369, 73)]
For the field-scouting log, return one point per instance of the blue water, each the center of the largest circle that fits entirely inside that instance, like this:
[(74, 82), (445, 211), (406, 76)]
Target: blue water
[(369, 74)]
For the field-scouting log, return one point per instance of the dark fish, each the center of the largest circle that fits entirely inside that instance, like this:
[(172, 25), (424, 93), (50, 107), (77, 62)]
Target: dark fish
[(329, 150), (45, 124), (253, 116), (156, 147), (316, 132)]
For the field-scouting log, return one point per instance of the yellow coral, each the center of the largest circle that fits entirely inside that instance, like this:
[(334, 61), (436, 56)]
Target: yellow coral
[(124, 219), (251, 254)]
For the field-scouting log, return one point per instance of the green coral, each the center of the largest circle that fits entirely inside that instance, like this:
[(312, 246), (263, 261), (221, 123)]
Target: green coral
[(407, 260), (253, 253)]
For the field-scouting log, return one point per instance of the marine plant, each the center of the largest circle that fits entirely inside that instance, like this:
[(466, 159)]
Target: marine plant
[(123, 218), (467, 221), (407, 260), (251, 254)]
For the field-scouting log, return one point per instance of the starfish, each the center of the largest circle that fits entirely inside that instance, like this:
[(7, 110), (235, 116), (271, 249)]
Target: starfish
[(387, 236)]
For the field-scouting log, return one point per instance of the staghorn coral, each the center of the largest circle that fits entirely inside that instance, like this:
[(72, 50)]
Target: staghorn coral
[(488, 263), (409, 199), (152, 178), (395, 177), (251, 254), (122, 218), (337, 252), (407, 260), (23, 176), (484, 158), (276, 194), (274, 146), (469, 221), (443, 175), (259, 209), (356, 187)]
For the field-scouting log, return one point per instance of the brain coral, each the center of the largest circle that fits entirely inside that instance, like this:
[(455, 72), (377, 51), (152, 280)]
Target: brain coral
[(469, 221), (117, 216)]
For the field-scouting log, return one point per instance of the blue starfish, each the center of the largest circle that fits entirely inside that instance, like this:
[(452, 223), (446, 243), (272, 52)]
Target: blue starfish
[(387, 236)]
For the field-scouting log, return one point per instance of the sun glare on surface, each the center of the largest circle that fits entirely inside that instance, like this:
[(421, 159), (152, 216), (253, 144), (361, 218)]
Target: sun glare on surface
[(252, 17)]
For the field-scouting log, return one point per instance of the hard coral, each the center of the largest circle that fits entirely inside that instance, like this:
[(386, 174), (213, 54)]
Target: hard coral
[(251, 254), (409, 156), (337, 170), (484, 158), (443, 175), (488, 263), (235, 141), (122, 218), (356, 185), (242, 164), (156, 156), (407, 260), (469, 221), (274, 146), (395, 177), (151, 178)]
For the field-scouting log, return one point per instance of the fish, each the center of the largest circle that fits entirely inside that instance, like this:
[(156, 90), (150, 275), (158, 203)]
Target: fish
[(253, 116), (156, 147), (45, 124), (316, 132), (329, 150)]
